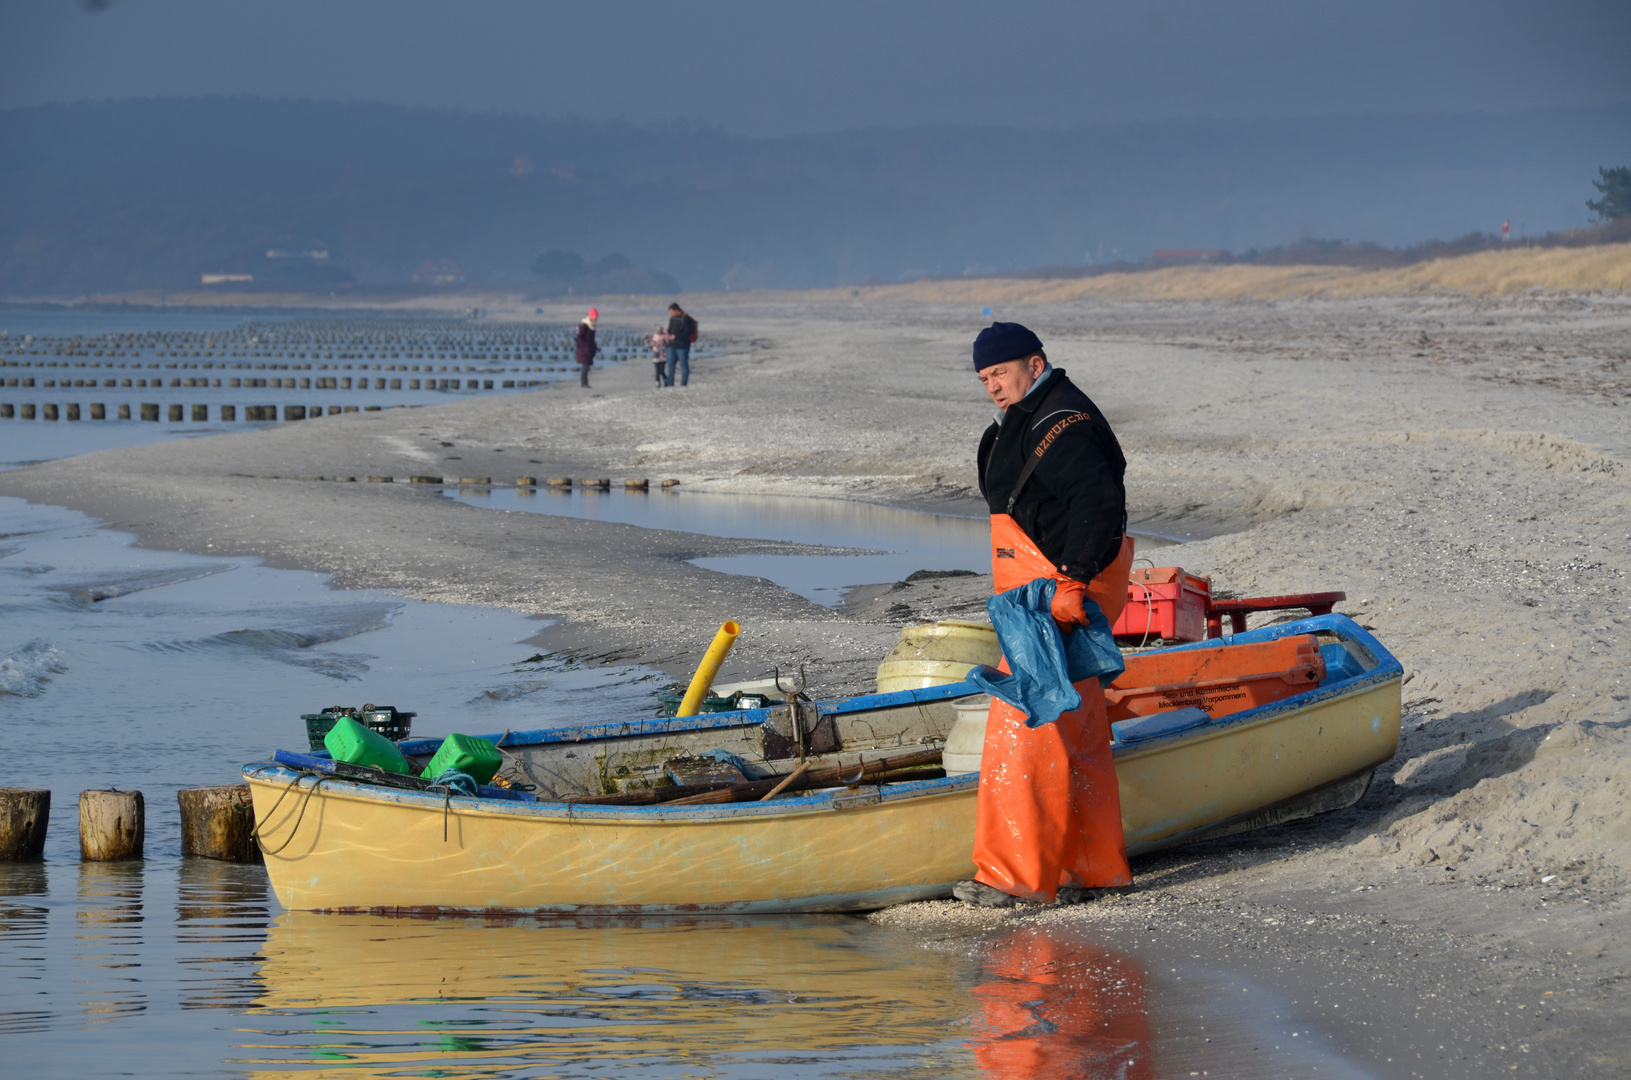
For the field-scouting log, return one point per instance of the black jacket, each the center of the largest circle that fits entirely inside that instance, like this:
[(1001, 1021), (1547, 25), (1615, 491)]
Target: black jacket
[(1074, 506), (586, 344), (681, 327)]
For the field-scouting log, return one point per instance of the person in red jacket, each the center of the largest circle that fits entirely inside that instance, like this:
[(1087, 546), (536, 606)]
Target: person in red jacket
[(586, 346), (1049, 808)]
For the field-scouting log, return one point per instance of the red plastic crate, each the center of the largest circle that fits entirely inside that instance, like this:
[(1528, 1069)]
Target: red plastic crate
[(1164, 603)]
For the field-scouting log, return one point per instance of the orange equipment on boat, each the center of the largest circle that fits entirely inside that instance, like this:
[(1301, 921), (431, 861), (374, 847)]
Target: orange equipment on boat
[(1219, 680)]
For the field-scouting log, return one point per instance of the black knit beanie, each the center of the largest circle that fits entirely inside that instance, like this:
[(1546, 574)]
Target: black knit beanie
[(1004, 341)]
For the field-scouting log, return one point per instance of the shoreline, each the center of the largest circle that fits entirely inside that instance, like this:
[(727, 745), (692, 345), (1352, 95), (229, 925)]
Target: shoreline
[(1460, 466)]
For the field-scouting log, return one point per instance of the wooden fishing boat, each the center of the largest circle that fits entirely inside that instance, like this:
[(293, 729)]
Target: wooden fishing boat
[(601, 833)]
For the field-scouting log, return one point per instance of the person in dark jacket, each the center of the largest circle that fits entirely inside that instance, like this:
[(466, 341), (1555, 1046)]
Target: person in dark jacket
[(586, 346), (1048, 811), (682, 330), (1074, 505)]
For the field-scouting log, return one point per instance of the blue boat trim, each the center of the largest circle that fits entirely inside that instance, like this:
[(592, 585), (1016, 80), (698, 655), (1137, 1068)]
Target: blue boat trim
[(661, 725)]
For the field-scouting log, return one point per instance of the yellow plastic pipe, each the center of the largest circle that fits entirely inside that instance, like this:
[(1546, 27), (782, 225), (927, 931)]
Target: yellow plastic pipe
[(704, 678)]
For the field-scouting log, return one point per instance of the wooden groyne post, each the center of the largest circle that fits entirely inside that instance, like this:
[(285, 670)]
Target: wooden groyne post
[(218, 823), (24, 815), (112, 825)]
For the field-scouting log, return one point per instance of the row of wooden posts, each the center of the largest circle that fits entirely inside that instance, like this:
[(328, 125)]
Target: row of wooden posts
[(177, 413), (216, 823), (632, 483)]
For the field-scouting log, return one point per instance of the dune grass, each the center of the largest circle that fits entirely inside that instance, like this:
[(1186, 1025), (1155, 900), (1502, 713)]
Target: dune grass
[(1496, 273)]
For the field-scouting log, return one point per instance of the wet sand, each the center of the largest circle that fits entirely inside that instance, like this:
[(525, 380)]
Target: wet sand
[(1458, 466)]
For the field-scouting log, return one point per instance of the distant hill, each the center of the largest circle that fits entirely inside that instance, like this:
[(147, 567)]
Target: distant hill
[(155, 193)]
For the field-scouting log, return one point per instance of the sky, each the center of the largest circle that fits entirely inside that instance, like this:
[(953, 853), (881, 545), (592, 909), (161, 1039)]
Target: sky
[(765, 69)]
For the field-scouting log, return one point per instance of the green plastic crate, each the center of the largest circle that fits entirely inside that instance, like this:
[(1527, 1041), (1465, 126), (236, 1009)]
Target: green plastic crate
[(351, 742), (390, 722), (472, 755)]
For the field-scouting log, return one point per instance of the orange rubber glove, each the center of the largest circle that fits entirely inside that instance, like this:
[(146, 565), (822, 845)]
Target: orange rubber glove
[(1067, 604)]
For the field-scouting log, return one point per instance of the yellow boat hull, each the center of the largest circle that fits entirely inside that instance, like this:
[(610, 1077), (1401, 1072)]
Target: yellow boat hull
[(371, 849), (1186, 788)]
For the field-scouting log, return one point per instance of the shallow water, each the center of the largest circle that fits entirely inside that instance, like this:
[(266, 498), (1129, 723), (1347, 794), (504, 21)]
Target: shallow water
[(187, 967), (121, 666), (889, 543)]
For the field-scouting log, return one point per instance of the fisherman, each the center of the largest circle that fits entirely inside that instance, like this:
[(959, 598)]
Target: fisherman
[(1049, 809)]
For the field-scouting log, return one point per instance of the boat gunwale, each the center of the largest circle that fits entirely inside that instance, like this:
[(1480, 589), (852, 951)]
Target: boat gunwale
[(824, 801), (1386, 666), (662, 725)]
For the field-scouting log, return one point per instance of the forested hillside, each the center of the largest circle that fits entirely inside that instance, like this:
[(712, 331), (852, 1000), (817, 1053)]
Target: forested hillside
[(155, 193)]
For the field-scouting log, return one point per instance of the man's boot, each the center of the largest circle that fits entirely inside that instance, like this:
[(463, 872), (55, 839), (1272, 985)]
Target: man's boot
[(978, 892)]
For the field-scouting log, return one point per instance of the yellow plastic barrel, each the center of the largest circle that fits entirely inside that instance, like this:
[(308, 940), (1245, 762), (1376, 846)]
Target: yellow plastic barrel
[(938, 653)]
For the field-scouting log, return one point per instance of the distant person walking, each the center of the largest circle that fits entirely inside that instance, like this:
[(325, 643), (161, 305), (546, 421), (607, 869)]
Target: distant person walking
[(682, 331), (659, 353), (587, 347)]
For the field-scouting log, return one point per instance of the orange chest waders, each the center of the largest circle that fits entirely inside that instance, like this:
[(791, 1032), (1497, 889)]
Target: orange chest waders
[(1049, 808)]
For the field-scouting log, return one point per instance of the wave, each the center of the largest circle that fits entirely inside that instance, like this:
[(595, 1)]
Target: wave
[(86, 593), (24, 673), (299, 646), (25, 569), (508, 693)]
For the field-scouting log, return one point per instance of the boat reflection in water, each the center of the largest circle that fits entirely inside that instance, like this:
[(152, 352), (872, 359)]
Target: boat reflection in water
[(1052, 1007), (806, 996)]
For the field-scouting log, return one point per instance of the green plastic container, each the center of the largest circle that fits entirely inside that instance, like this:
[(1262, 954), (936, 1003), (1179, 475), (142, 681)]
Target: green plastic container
[(469, 754), (388, 721), (671, 704), (351, 742)]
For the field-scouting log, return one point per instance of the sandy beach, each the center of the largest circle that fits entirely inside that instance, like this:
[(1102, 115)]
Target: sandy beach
[(1460, 466)]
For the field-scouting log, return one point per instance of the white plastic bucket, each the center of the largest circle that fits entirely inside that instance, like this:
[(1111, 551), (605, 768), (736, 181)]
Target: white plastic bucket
[(965, 743)]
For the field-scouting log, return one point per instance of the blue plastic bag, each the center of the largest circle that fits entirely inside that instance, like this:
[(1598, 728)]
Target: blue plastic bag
[(1046, 663)]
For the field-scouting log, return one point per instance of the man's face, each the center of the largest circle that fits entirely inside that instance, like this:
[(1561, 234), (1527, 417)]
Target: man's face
[(1008, 382)]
